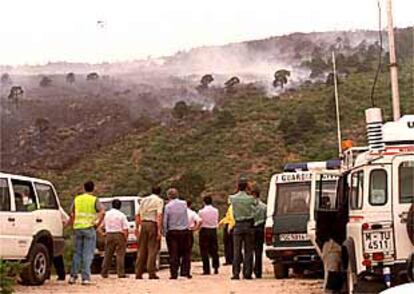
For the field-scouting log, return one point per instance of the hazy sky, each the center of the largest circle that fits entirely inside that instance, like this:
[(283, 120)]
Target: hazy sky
[(38, 31)]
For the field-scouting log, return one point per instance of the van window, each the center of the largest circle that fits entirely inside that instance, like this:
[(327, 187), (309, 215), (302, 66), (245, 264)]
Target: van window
[(24, 196), (293, 198), (357, 190), (406, 181), (4, 196), (378, 187), (47, 197), (326, 195)]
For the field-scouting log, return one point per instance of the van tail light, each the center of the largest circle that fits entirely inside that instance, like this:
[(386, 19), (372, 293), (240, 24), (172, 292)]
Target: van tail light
[(378, 256), (365, 226), (268, 235), (367, 263)]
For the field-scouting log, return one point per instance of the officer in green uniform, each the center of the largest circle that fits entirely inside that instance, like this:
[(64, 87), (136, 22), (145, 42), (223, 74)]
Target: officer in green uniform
[(259, 224), (244, 207), (87, 214)]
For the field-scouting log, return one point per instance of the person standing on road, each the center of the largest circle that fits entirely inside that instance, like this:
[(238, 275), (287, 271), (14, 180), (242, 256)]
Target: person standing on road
[(259, 224), (148, 225), (116, 236), (208, 236), (228, 222), (194, 224), (87, 213), (176, 230), (244, 207)]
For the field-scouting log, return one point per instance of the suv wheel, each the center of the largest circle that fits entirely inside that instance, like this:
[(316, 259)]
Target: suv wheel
[(281, 271), (38, 268)]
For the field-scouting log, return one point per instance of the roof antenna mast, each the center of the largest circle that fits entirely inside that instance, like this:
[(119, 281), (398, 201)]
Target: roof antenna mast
[(393, 65)]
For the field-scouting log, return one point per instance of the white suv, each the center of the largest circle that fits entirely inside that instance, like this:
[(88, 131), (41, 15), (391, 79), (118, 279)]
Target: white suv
[(31, 228)]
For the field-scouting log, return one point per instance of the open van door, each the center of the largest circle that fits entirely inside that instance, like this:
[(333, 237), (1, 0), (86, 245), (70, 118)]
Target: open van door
[(328, 210)]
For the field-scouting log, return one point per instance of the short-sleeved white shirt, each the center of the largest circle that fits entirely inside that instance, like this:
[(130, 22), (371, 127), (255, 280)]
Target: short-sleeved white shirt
[(193, 218), (115, 221)]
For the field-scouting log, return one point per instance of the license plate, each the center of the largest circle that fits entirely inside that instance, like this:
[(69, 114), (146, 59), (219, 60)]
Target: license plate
[(375, 241), (293, 237)]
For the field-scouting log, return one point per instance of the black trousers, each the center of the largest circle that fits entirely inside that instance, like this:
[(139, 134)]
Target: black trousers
[(178, 243), (208, 248), (228, 244), (59, 265), (258, 250), (243, 239), (188, 260)]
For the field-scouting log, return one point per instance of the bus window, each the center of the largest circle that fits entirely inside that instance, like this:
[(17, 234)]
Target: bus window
[(378, 187), (357, 189), (406, 181)]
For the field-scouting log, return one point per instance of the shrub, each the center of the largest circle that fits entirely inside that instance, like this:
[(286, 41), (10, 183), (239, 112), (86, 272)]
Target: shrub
[(8, 274)]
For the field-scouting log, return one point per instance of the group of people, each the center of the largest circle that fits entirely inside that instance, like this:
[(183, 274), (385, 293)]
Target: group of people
[(177, 222)]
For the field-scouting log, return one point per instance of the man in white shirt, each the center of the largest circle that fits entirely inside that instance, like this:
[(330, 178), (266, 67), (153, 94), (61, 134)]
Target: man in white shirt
[(208, 235), (116, 232), (194, 224)]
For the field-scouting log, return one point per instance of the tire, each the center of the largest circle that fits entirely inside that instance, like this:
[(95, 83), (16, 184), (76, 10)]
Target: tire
[(38, 267), (410, 224), (350, 279), (410, 268), (281, 271)]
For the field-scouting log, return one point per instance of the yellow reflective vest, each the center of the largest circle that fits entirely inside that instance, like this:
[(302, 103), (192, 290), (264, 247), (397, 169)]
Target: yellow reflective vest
[(85, 211)]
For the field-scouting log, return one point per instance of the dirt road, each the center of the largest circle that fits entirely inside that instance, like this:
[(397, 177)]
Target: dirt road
[(199, 284)]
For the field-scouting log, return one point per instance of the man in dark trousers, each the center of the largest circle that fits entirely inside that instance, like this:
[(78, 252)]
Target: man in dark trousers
[(244, 208), (208, 236), (259, 224), (148, 225), (176, 230)]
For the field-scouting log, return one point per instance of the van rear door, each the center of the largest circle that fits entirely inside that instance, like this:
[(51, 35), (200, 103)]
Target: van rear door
[(291, 214), (403, 198)]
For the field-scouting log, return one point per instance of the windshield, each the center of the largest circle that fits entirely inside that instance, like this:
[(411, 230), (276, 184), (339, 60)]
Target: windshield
[(127, 208), (293, 198)]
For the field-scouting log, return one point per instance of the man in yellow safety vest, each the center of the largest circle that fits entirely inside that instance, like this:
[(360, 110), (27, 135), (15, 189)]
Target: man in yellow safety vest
[(86, 214)]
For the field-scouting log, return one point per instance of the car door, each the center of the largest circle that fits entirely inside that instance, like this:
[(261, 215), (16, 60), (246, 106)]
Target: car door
[(7, 220), (48, 217), (403, 198), (23, 217)]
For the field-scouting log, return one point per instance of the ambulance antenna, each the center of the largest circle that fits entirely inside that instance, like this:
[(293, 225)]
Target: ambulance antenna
[(393, 65), (338, 119)]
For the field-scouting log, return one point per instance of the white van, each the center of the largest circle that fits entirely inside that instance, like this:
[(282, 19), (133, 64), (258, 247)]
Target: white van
[(286, 240), (375, 193), (31, 228)]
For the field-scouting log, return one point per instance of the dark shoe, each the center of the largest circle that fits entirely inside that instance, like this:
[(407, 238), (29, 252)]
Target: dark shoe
[(216, 271), (227, 263), (61, 278), (205, 274), (138, 277), (235, 278), (123, 276), (173, 278), (248, 278), (258, 277), (154, 277), (104, 276), (189, 277)]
